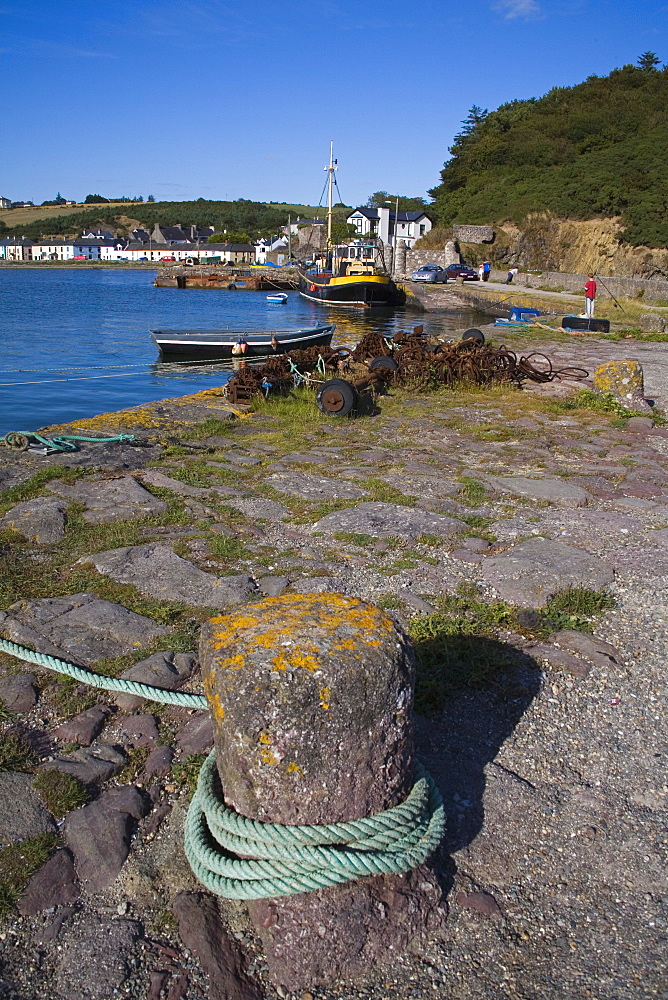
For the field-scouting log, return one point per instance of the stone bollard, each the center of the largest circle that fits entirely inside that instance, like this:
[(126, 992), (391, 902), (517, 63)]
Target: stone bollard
[(311, 697), (624, 379)]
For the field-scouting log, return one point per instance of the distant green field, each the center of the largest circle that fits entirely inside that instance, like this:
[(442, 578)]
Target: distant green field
[(24, 216)]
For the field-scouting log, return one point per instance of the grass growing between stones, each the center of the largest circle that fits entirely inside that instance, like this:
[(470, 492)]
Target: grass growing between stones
[(573, 609), (472, 493), (186, 771), (227, 548), (455, 648), (33, 487), (15, 754), (61, 792), (18, 863)]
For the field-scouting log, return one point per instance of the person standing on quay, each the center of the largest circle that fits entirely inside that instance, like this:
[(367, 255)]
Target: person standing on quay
[(590, 296), (486, 268)]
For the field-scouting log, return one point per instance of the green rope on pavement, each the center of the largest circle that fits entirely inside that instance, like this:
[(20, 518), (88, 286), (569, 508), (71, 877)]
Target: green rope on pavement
[(100, 681), (20, 440), (273, 859)]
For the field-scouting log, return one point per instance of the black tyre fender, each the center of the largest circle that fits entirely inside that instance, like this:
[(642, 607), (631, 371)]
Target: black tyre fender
[(383, 362), (474, 334), (337, 398)]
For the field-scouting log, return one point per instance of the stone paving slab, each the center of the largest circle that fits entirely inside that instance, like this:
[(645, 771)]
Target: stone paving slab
[(555, 490), (111, 499), (81, 627), (532, 572), (155, 570), (155, 478), (317, 488), (388, 520), (22, 813), (41, 520)]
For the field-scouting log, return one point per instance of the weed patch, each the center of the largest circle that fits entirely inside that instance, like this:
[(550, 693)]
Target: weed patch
[(227, 548), (61, 792), (473, 492), (15, 754), (186, 771), (353, 538), (18, 863), (455, 648)]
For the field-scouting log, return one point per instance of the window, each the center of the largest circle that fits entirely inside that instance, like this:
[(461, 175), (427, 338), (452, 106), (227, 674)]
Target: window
[(422, 229)]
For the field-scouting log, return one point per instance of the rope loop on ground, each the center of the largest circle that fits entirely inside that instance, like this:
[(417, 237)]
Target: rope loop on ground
[(20, 440), (278, 860)]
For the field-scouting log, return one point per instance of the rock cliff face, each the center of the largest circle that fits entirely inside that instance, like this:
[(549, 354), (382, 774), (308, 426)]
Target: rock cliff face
[(547, 242)]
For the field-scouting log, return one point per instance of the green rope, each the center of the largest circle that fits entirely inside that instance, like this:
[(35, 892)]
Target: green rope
[(279, 860), (20, 440), (273, 859), (106, 683)]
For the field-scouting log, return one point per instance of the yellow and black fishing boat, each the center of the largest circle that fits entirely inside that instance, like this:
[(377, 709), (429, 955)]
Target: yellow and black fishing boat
[(359, 286), (336, 282)]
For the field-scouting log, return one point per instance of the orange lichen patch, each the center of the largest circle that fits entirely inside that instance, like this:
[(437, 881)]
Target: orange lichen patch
[(265, 738), (231, 662), (268, 756), (299, 659), (324, 694), (311, 621), (293, 768), (213, 698)]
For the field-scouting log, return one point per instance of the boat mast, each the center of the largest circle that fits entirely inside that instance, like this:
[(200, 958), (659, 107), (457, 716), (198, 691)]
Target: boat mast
[(330, 190)]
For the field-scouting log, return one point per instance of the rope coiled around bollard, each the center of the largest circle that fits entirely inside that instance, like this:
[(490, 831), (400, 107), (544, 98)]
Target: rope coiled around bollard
[(279, 860), (283, 860)]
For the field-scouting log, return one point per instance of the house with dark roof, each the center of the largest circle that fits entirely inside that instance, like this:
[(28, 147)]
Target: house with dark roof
[(5, 202), (381, 222), (15, 248), (169, 235)]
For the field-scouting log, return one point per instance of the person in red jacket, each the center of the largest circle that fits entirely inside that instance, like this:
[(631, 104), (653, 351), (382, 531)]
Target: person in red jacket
[(590, 296)]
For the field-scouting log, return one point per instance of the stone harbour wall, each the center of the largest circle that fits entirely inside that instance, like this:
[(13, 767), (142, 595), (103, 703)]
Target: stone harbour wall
[(641, 288), (473, 234)]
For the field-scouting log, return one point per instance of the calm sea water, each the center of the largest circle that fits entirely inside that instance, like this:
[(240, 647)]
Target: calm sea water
[(76, 343)]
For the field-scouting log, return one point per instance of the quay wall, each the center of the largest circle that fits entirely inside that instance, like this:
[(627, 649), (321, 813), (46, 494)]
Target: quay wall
[(648, 289)]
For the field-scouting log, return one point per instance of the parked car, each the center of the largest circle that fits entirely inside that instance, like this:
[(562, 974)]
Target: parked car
[(80, 256), (460, 271), (430, 272), (168, 258)]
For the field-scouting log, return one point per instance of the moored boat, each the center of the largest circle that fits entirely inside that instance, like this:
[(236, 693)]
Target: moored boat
[(360, 287), (221, 345), (280, 297), (354, 283)]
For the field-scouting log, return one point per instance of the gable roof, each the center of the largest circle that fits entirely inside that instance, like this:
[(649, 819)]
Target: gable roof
[(373, 213)]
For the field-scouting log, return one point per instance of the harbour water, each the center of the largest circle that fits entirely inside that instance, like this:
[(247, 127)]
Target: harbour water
[(74, 343)]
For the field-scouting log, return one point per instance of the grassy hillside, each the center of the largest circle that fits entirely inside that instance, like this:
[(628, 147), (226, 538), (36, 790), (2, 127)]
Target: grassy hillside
[(254, 217), (599, 149)]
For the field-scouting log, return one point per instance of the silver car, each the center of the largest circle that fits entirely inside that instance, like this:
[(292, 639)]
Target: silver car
[(430, 272)]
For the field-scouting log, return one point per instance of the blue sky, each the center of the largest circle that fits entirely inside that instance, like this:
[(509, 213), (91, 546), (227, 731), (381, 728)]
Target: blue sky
[(223, 99)]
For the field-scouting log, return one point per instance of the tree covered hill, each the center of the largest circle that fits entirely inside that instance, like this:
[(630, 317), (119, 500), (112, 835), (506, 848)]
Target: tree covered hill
[(599, 149), (253, 217)]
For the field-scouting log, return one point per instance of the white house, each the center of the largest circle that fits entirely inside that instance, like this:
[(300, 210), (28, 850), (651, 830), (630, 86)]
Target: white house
[(5, 202), (380, 223), (270, 245)]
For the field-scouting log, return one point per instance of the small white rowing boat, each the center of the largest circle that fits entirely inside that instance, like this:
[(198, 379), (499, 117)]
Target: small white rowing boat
[(280, 297)]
